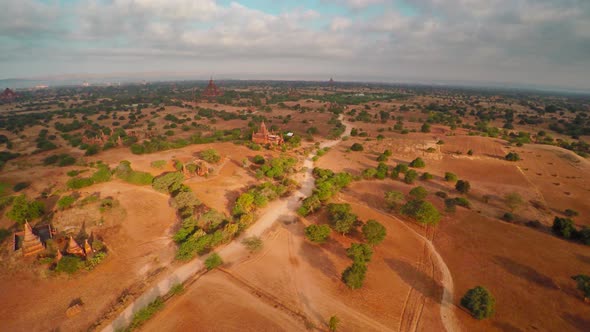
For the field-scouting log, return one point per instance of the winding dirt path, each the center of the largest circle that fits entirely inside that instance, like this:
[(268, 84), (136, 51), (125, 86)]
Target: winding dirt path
[(234, 251)]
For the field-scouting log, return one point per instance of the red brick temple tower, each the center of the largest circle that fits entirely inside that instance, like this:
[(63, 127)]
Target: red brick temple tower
[(211, 91)]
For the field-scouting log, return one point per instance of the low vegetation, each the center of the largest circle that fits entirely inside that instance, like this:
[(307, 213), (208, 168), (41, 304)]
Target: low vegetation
[(480, 302)]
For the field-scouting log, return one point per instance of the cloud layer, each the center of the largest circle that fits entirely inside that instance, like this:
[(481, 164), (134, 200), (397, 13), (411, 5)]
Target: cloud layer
[(538, 42)]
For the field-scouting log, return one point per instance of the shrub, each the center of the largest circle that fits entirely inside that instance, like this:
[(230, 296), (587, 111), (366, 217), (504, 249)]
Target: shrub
[(103, 174), (253, 243), (470, 152), (410, 176), (357, 147), (359, 253), (509, 217), (441, 194), (418, 163), (333, 323), (424, 212), (317, 233), (450, 177), (426, 176), (513, 201), (571, 213), (425, 127), (373, 232), (213, 261), (93, 262), (24, 210), (450, 205), (159, 164), (462, 201), (258, 159), (77, 183), (394, 199), (341, 217), (186, 200), (583, 283), (146, 313), (419, 193), (354, 275), (176, 289), (69, 264), (4, 234), (512, 156), (20, 186), (65, 202), (480, 302), (210, 156), (563, 227), (168, 182), (463, 186)]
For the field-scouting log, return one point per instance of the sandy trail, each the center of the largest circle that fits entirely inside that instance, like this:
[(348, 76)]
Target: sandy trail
[(234, 251)]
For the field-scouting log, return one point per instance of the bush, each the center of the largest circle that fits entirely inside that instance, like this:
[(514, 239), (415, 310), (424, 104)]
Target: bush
[(418, 163), (441, 194), (513, 201), (357, 147), (463, 186), (509, 217), (159, 164), (583, 282), (563, 227), (146, 313), (213, 261), (450, 177), (394, 199), (424, 212), (341, 217), (410, 176), (127, 174), (253, 243), (317, 233), (65, 202), (419, 193), (426, 176), (354, 275), (571, 213), (480, 302), (258, 159), (210, 156), (24, 210), (373, 232), (69, 264), (333, 323), (20, 186), (512, 156), (360, 253), (77, 183), (168, 182)]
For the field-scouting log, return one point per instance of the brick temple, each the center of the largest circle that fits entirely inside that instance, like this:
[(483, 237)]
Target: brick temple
[(8, 95), (211, 91), (263, 136)]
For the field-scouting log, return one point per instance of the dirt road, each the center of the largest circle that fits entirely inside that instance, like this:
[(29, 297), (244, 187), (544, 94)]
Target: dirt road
[(278, 210)]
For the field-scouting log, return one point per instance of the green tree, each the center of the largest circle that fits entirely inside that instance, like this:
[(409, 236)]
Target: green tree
[(341, 217), (583, 282), (317, 233), (354, 275), (213, 261), (425, 127), (512, 156), (564, 227), (360, 252), (419, 193), (24, 210), (210, 156), (244, 204), (410, 176), (418, 163), (450, 177), (168, 182), (357, 147), (424, 212), (186, 200), (463, 186), (333, 323), (394, 199), (513, 201), (480, 302), (374, 232)]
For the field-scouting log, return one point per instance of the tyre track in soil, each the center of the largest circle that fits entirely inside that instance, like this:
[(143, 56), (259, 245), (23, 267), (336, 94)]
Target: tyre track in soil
[(447, 313)]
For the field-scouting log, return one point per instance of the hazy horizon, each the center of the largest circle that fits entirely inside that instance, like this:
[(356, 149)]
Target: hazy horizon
[(537, 43)]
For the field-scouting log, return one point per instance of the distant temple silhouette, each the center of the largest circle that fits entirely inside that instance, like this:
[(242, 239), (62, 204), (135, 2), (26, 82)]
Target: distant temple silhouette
[(263, 136), (211, 91), (8, 95)]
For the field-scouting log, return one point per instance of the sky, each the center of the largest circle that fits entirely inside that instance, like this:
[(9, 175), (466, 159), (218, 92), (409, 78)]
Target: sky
[(525, 42)]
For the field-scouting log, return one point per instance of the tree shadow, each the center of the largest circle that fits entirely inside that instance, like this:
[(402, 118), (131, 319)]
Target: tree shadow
[(583, 258), (316, 256), (525, 272), (231, 196), (417, 279), (506, 327), (580, 323)]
